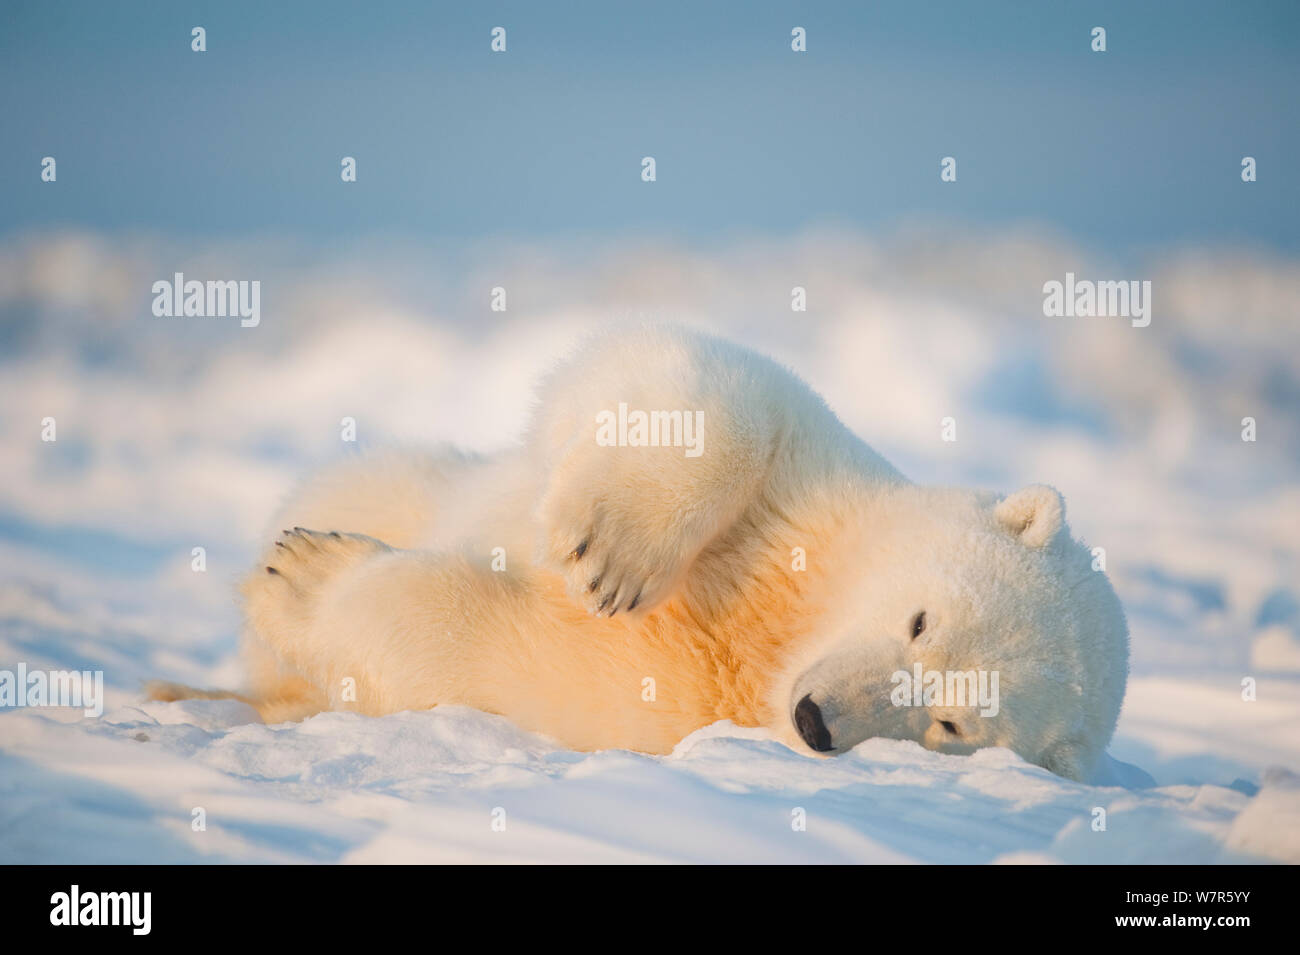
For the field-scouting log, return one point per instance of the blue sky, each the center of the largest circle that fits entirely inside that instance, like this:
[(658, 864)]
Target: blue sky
[(1138, 146)]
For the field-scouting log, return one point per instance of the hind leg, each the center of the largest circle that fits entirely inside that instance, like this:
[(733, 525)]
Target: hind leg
[(277, 693), (290, 668), (300, 658), (376, 630)]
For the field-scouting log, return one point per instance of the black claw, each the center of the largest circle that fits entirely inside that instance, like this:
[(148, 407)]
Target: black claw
[(272, 570), (581, 549), (301, 530), (604, 603), (595, 582), (635, 600), (335, 534), (280, 544)]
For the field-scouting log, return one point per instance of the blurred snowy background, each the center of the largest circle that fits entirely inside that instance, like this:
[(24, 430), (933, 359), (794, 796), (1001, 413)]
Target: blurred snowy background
[(924, 302)]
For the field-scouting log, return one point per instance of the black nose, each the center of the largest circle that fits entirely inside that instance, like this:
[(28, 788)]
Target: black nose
[(808, 721)]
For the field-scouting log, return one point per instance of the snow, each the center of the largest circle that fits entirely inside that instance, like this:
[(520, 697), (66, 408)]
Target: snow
[(175, 434), (428, 786)]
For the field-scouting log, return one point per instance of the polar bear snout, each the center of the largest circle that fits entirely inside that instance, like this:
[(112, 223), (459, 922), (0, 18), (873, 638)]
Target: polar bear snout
[(812, 728)]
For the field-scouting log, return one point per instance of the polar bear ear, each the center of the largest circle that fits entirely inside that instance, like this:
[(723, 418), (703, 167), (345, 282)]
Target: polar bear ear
[(1034, 514)]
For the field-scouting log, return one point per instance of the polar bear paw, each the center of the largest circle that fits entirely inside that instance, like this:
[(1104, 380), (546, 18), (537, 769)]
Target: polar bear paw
[(300, 565), (610, 565), (306, 559)]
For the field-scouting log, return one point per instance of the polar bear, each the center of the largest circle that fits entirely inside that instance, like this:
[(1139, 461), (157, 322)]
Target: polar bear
[(687, 534)]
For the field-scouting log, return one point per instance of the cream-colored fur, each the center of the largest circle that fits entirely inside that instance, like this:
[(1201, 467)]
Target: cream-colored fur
[(647, 593)]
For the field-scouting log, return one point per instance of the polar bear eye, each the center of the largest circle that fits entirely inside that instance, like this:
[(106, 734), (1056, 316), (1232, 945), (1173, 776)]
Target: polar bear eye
[(918, 624)]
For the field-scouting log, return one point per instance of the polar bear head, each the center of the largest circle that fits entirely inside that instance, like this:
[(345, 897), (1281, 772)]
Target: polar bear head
[(970, 621)]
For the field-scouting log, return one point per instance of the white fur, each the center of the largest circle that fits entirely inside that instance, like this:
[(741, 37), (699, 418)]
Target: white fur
[(402, 603)]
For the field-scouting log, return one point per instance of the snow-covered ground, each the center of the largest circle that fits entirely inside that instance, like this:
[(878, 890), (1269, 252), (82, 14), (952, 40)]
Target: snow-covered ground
[(174, 434)]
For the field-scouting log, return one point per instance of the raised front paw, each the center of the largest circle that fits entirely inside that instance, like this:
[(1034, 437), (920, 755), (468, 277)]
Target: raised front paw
[(614, 562)]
